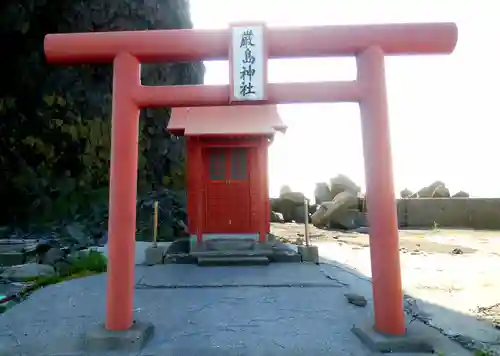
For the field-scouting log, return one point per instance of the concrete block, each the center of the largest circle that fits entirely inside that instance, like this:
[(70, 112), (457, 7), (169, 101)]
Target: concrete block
[(154, 255), (99, 339), (411, 342), (309, 253)]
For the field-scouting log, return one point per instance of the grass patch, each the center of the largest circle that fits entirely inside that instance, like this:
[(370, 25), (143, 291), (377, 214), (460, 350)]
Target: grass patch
[(483, 353), (84, 264), (88, 261)]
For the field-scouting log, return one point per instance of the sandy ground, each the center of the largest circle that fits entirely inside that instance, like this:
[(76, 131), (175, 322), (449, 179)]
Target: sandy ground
[(455, 289)]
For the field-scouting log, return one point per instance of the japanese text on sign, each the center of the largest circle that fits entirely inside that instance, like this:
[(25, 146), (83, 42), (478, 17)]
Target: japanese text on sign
[(248, 63)]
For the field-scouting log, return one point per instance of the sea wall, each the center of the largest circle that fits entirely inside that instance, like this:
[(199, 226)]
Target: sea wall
[(475, 213)]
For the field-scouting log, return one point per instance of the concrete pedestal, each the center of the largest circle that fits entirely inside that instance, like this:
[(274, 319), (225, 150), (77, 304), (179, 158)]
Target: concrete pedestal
[(134, 339), (411, 342), (309, 253), (154, 255)]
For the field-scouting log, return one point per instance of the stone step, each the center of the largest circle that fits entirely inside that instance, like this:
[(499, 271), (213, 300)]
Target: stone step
[(232, 253), (233, 261), (285, 257)]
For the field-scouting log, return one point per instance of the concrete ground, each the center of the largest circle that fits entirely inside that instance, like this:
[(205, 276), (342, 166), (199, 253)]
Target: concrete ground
[(281, 309)]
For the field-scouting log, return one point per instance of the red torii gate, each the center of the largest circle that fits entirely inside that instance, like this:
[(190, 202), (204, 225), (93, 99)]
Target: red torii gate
[(369, 43)]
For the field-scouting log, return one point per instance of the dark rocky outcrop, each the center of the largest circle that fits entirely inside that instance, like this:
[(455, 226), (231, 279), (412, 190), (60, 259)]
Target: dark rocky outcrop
[(55, 121)]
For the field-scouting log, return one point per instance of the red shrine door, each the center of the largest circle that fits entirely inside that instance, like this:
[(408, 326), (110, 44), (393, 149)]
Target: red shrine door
[(227, 190)]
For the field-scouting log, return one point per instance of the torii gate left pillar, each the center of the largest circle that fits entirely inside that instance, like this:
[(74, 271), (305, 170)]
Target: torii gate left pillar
[(370, 43)]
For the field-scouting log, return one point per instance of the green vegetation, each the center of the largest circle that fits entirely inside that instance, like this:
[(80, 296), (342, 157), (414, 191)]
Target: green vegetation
[(84, 264)]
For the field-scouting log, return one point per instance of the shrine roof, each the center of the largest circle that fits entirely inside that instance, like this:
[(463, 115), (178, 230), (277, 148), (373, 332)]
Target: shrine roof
[(226, 120)]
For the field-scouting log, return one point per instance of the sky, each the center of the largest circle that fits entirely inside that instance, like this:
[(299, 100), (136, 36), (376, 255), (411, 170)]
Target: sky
[(443, 113)]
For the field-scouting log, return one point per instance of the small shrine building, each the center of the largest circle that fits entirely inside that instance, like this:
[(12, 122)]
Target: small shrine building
[(227, 168)]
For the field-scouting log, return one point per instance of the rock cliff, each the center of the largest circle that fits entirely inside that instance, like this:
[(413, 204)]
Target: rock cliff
[(55, 121)]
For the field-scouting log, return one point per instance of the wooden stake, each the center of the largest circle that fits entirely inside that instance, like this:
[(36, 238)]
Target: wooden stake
[(306, 222), (155, 225)]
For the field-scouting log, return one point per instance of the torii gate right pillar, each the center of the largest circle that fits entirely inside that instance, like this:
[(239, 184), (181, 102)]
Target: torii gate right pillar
[(382, 213)]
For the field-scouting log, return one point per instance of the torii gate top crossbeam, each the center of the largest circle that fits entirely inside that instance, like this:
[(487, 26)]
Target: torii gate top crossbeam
[(197, 45)]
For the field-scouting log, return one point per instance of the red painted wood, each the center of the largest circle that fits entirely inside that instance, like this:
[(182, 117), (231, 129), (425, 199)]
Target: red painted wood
[(267, 203), (216, 212), (218, 95), (231, 141), (239, 187), (227, 190), (188, 45), (263, 190), (190, 185), (195, 186), (254, 188)]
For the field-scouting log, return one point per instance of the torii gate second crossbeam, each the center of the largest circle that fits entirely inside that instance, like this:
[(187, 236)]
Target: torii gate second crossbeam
[(370, 43)]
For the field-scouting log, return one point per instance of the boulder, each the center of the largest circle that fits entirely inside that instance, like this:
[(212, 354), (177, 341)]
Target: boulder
[(322, 193), (275, 204), (277, 217), (290, 205), (52, 256), (428, 191), (406, 193), (318, 218), (285, 189), (27, 271), (289, 202), (299, 214), (441, 192), (295, 197), (78, 234), (341, 212), (342, 183), (461, 194)]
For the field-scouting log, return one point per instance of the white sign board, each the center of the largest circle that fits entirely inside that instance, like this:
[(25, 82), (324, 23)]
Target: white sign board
[(248, 63)]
